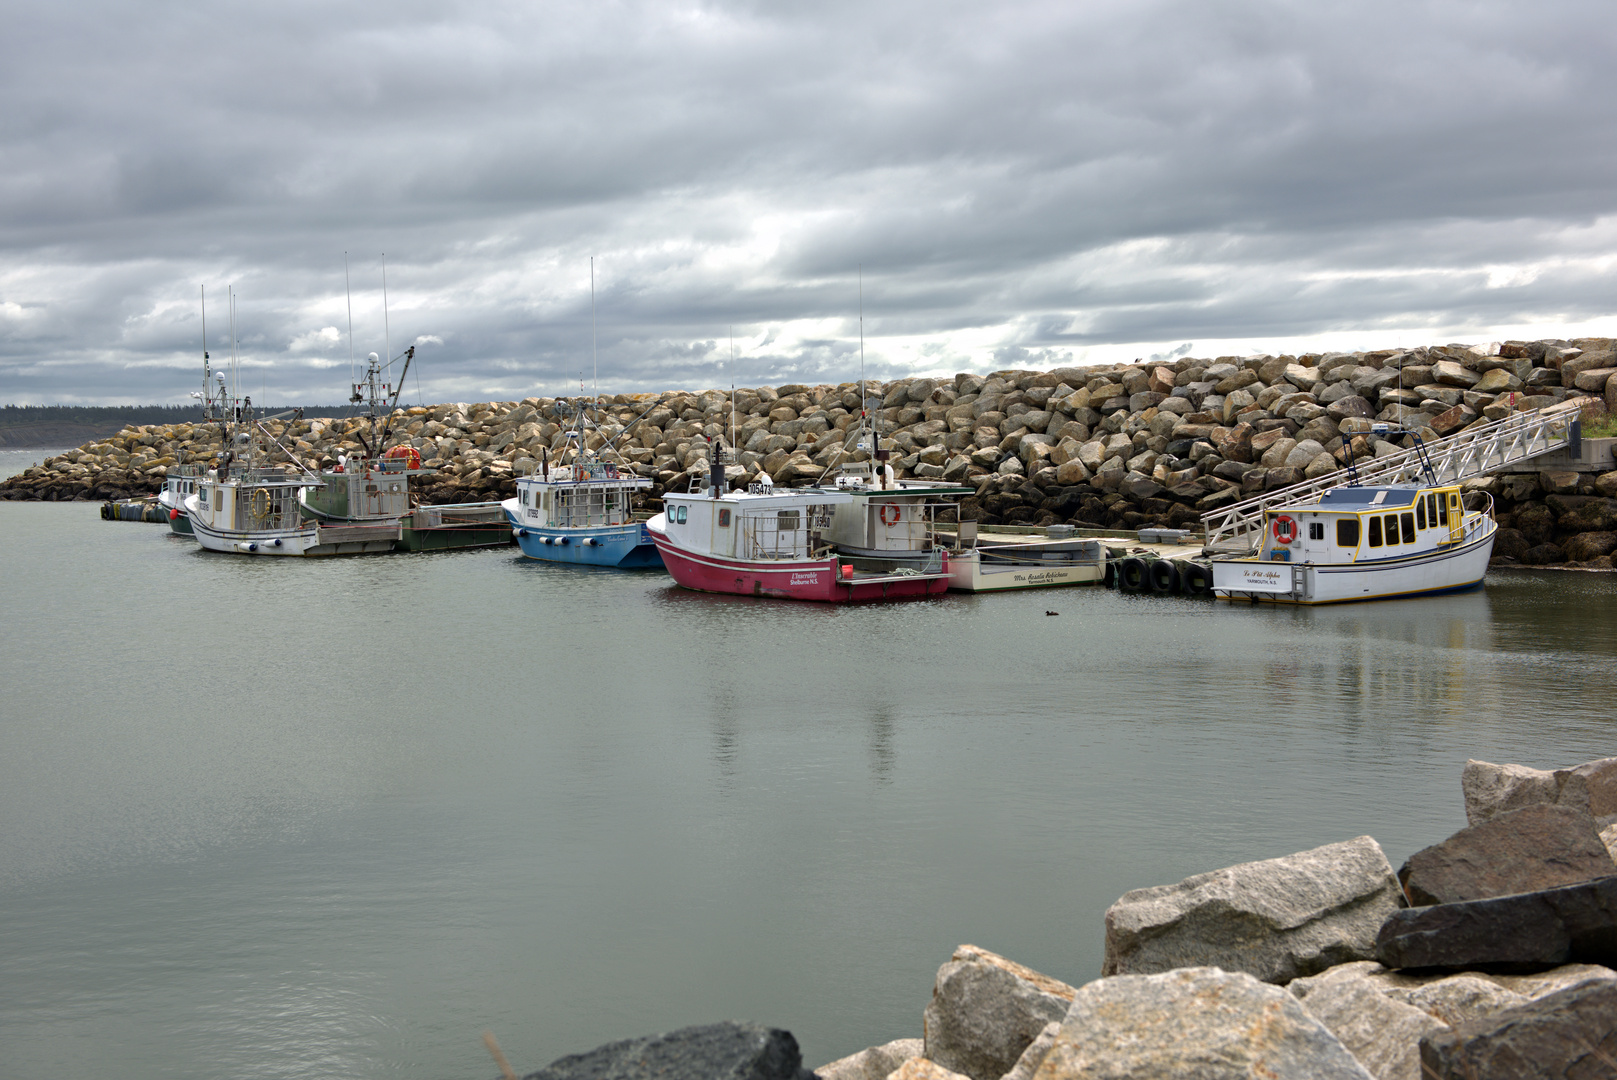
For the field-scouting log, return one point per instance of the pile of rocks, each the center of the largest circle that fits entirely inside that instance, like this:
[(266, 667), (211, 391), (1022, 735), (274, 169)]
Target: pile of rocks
[(1314, 965), (1502, 969), (1116, 446)]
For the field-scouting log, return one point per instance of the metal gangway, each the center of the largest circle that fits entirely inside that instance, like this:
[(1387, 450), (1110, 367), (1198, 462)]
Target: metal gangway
[(1476, 451)]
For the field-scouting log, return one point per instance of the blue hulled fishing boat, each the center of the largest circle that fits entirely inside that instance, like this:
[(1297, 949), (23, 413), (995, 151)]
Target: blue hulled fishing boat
[(581, 513)]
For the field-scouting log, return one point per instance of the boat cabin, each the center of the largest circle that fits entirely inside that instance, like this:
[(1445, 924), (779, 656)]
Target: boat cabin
[(181, 483), (361, 488), (256, 500), (757, 524), (578, 496), (886, 516), (1363, 524)]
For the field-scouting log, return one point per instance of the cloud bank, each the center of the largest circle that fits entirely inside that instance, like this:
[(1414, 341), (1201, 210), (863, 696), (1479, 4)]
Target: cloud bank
[(994, 185)]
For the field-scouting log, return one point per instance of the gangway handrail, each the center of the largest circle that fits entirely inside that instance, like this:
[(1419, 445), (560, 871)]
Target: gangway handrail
[(1476, 451)]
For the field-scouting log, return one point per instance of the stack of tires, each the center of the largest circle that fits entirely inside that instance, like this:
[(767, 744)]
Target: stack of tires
[(1160, 577)]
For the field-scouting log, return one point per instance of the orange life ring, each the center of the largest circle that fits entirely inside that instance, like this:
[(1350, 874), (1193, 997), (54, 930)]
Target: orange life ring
[(893, 520), (1285, 529)]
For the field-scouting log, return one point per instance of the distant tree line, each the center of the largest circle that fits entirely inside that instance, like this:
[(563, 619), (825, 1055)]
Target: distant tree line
[(28, 426)]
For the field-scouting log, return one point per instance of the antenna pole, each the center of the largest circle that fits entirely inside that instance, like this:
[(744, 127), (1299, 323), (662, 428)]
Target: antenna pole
[(387, 335), (732, 389), (594, 362), (349, 290), (207, 413), (864, 406)]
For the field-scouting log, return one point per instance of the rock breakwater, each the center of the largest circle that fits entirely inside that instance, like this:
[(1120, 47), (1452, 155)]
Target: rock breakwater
[(1112, 446), (1307, 966)]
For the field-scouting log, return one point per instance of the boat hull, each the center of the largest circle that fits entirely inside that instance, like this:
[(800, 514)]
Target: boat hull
[(179, 522), (625, 547), (969, 573), (1429, 573), (310, 540), (454, 537), (815, 580)]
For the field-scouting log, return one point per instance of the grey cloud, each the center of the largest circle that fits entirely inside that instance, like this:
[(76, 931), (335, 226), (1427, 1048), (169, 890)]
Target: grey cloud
[(1015, 182)]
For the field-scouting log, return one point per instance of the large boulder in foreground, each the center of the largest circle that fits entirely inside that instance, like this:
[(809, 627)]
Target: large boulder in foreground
[(1382, 1033), (1572, 924), (919, 1068), (1194, 1022), (1276, 919), (873, 1063), (1381, 1016), (985, 1010), (1572, 1033), (1496, 789), (1528, 850), (724, 1051)]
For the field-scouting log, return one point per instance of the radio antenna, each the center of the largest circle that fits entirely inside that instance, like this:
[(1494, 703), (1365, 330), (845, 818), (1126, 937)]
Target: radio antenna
[(387, 335), (594, 363), (349, 289), (864, 406)]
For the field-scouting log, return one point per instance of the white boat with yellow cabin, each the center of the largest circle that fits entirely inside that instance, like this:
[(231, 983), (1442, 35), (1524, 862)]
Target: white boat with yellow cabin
[(1364, 543)]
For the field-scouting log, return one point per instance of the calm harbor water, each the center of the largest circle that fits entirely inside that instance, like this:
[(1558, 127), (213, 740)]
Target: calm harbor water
[(282, 818)]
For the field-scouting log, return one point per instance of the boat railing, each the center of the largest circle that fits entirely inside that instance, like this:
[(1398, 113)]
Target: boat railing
[(1476, 451)]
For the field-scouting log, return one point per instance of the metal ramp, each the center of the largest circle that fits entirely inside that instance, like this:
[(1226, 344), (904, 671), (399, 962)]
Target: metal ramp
[(1476, 451)]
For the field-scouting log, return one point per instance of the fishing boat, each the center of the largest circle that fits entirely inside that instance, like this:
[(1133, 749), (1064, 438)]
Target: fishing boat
[(764, 542), (1364, 543), (582, 512), (179, 484), (365, 492), (887, 521), (891, 522)]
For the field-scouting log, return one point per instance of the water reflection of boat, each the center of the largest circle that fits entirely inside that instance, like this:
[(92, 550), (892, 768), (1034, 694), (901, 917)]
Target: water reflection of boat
[(1363, 543)]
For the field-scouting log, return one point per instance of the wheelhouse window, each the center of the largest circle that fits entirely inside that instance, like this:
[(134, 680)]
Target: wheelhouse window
[(1392, 528), (1347, 532), (787, 520), (1442, 510), (680, 511), (1375, 532), (1316, 530), (1408, 521)]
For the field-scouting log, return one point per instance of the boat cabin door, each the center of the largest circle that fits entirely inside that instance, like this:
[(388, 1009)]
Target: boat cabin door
[(1313, 541)]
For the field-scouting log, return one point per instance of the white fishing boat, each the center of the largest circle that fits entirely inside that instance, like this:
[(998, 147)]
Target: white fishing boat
[(887, 520), (1364, 543), (768, 542)]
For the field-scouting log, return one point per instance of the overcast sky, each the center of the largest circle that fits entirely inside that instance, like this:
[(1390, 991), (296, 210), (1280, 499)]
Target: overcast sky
[(1019, 184)]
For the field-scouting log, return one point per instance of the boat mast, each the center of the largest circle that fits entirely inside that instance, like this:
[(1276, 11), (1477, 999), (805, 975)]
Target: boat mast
[(866, 424), (207, 402), (348, 289)]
